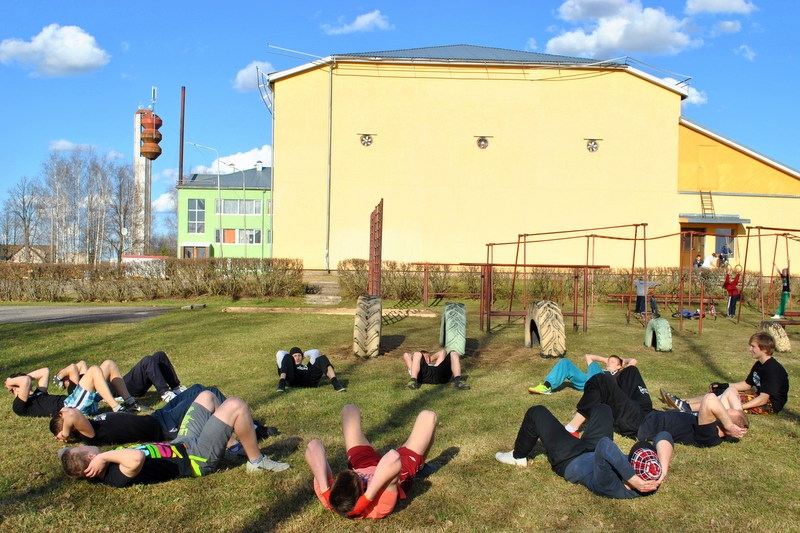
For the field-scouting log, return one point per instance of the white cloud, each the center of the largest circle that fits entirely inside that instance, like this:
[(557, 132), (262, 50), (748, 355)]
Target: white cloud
[(113, 155), (694, 96), (624, 27), (240, 160), (367, 22), (575, 10), (746, 52), (531, 44), (63, 145), (727, 26), (742, 7), (56, 51), (166, 203), (247, 78)]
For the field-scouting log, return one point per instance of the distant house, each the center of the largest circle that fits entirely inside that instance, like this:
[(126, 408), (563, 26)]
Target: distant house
[(17, 253), (226, 215), (470, 145)]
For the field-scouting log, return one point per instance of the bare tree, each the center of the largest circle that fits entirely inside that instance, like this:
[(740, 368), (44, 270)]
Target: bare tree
[(121, 212), (24, 208)]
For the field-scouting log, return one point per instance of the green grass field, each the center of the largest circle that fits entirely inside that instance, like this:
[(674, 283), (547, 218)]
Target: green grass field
[(749, 485)]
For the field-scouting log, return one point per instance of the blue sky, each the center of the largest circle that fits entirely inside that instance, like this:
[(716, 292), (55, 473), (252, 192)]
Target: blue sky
[(74, 73)]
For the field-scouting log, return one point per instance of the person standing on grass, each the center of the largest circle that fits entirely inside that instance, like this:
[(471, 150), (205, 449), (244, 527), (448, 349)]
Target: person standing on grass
[(94, 384), (732, 286), (767, 376), (202, 438), (593, 460), (292, 371), (372, 483), (786, 290), (642, 289), (441, 367), (565, 370)]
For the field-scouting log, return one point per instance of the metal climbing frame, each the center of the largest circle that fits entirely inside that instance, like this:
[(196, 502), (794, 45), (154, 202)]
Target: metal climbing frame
[(788, 235)]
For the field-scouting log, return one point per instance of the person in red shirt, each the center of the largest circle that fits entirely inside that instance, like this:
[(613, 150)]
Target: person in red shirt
[(373, 483), (732, 286)]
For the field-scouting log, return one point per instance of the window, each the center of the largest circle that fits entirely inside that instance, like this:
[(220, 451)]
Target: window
[(724, 242), (249, 236), (228, 234), (197, 216), (239, 207), (196, 252)]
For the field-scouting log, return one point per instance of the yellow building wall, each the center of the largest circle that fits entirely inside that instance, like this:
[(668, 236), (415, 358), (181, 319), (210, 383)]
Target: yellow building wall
[(444, 198)]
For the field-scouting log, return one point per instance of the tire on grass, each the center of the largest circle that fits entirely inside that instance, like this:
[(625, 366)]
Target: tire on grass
[(658, 335), (775, 329), (453, 331), (367, 330), (544, 325)]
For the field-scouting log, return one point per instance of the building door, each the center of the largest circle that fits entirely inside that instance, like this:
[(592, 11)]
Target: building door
[(692, 244)]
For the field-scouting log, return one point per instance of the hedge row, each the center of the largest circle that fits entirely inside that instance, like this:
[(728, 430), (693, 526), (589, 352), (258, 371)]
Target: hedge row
[(167, 278)]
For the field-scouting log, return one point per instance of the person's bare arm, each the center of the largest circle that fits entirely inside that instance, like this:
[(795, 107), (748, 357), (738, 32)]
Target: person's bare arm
[(592, 358), (664, 450), (712, 410), (74, 420), (741, 386), (761, 399), (318, 463), (130, 462), (386, 472), (629, 361)]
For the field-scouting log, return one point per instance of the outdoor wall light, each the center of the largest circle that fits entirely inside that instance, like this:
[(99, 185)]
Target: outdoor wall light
[(592, 145), (366, 138), (483, 141)]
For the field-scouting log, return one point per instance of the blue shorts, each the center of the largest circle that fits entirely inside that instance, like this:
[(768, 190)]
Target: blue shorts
[(82, 400)]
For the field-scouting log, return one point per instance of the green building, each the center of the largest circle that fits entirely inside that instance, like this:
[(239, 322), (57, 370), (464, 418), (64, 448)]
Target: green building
[(226, 215)]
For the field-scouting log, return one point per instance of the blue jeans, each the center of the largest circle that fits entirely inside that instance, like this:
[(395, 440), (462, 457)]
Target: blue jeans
[(566, 370), (603, 471)]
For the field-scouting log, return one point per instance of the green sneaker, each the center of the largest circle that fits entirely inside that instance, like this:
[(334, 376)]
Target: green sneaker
[(541, 388)]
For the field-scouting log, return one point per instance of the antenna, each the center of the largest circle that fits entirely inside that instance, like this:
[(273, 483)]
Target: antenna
[(263, 89), (153, 97)]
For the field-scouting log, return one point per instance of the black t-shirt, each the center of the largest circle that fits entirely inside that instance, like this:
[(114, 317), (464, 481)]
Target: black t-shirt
[(682, 426), (770, 377), (39, 404), (163, 461), (121, 428)]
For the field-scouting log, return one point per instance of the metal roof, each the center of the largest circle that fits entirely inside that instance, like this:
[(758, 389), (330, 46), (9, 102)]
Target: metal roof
[(467, 52), (252, 178)]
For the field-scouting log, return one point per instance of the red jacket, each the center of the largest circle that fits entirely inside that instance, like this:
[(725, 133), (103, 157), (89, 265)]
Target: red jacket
[(731, 286)]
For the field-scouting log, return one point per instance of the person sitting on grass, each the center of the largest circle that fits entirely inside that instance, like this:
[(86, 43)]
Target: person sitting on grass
[(150, 371), (715, 419), (197, 451), (767, 375), (94, 384), (372, 484), (566, 370), (593, 460), (441, 367), (292, 371), (70, 425)]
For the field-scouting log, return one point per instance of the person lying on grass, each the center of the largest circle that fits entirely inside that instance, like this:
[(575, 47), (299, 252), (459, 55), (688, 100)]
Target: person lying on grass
[(197, 451), (566, 370), (31, 397), (372, 484), (593, 460), (70, 425), (441, 367), (767, 376)]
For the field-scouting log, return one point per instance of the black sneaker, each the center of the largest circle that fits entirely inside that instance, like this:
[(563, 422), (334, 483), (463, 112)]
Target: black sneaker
[(460, 385), (338, 387), (263, 432), (281, 386), (135, 407), (412, 384)]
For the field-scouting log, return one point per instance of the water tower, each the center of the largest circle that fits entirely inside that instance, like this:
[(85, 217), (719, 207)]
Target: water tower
[(145, 149)]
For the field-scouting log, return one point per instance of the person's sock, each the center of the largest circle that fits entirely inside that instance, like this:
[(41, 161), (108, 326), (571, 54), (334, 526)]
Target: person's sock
[(257, 460), (571, 429), (236, 447), (130, 400), (547, 384)]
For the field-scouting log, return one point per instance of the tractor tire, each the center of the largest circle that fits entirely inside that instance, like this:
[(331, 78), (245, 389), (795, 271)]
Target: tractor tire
[(453, 331), (658, 335), (544, 325), (367, 331), (775, 329)]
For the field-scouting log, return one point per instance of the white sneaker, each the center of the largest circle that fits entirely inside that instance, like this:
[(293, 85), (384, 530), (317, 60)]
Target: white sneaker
[(266, 465), (508, 458), (168, 396), (777, 316)]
